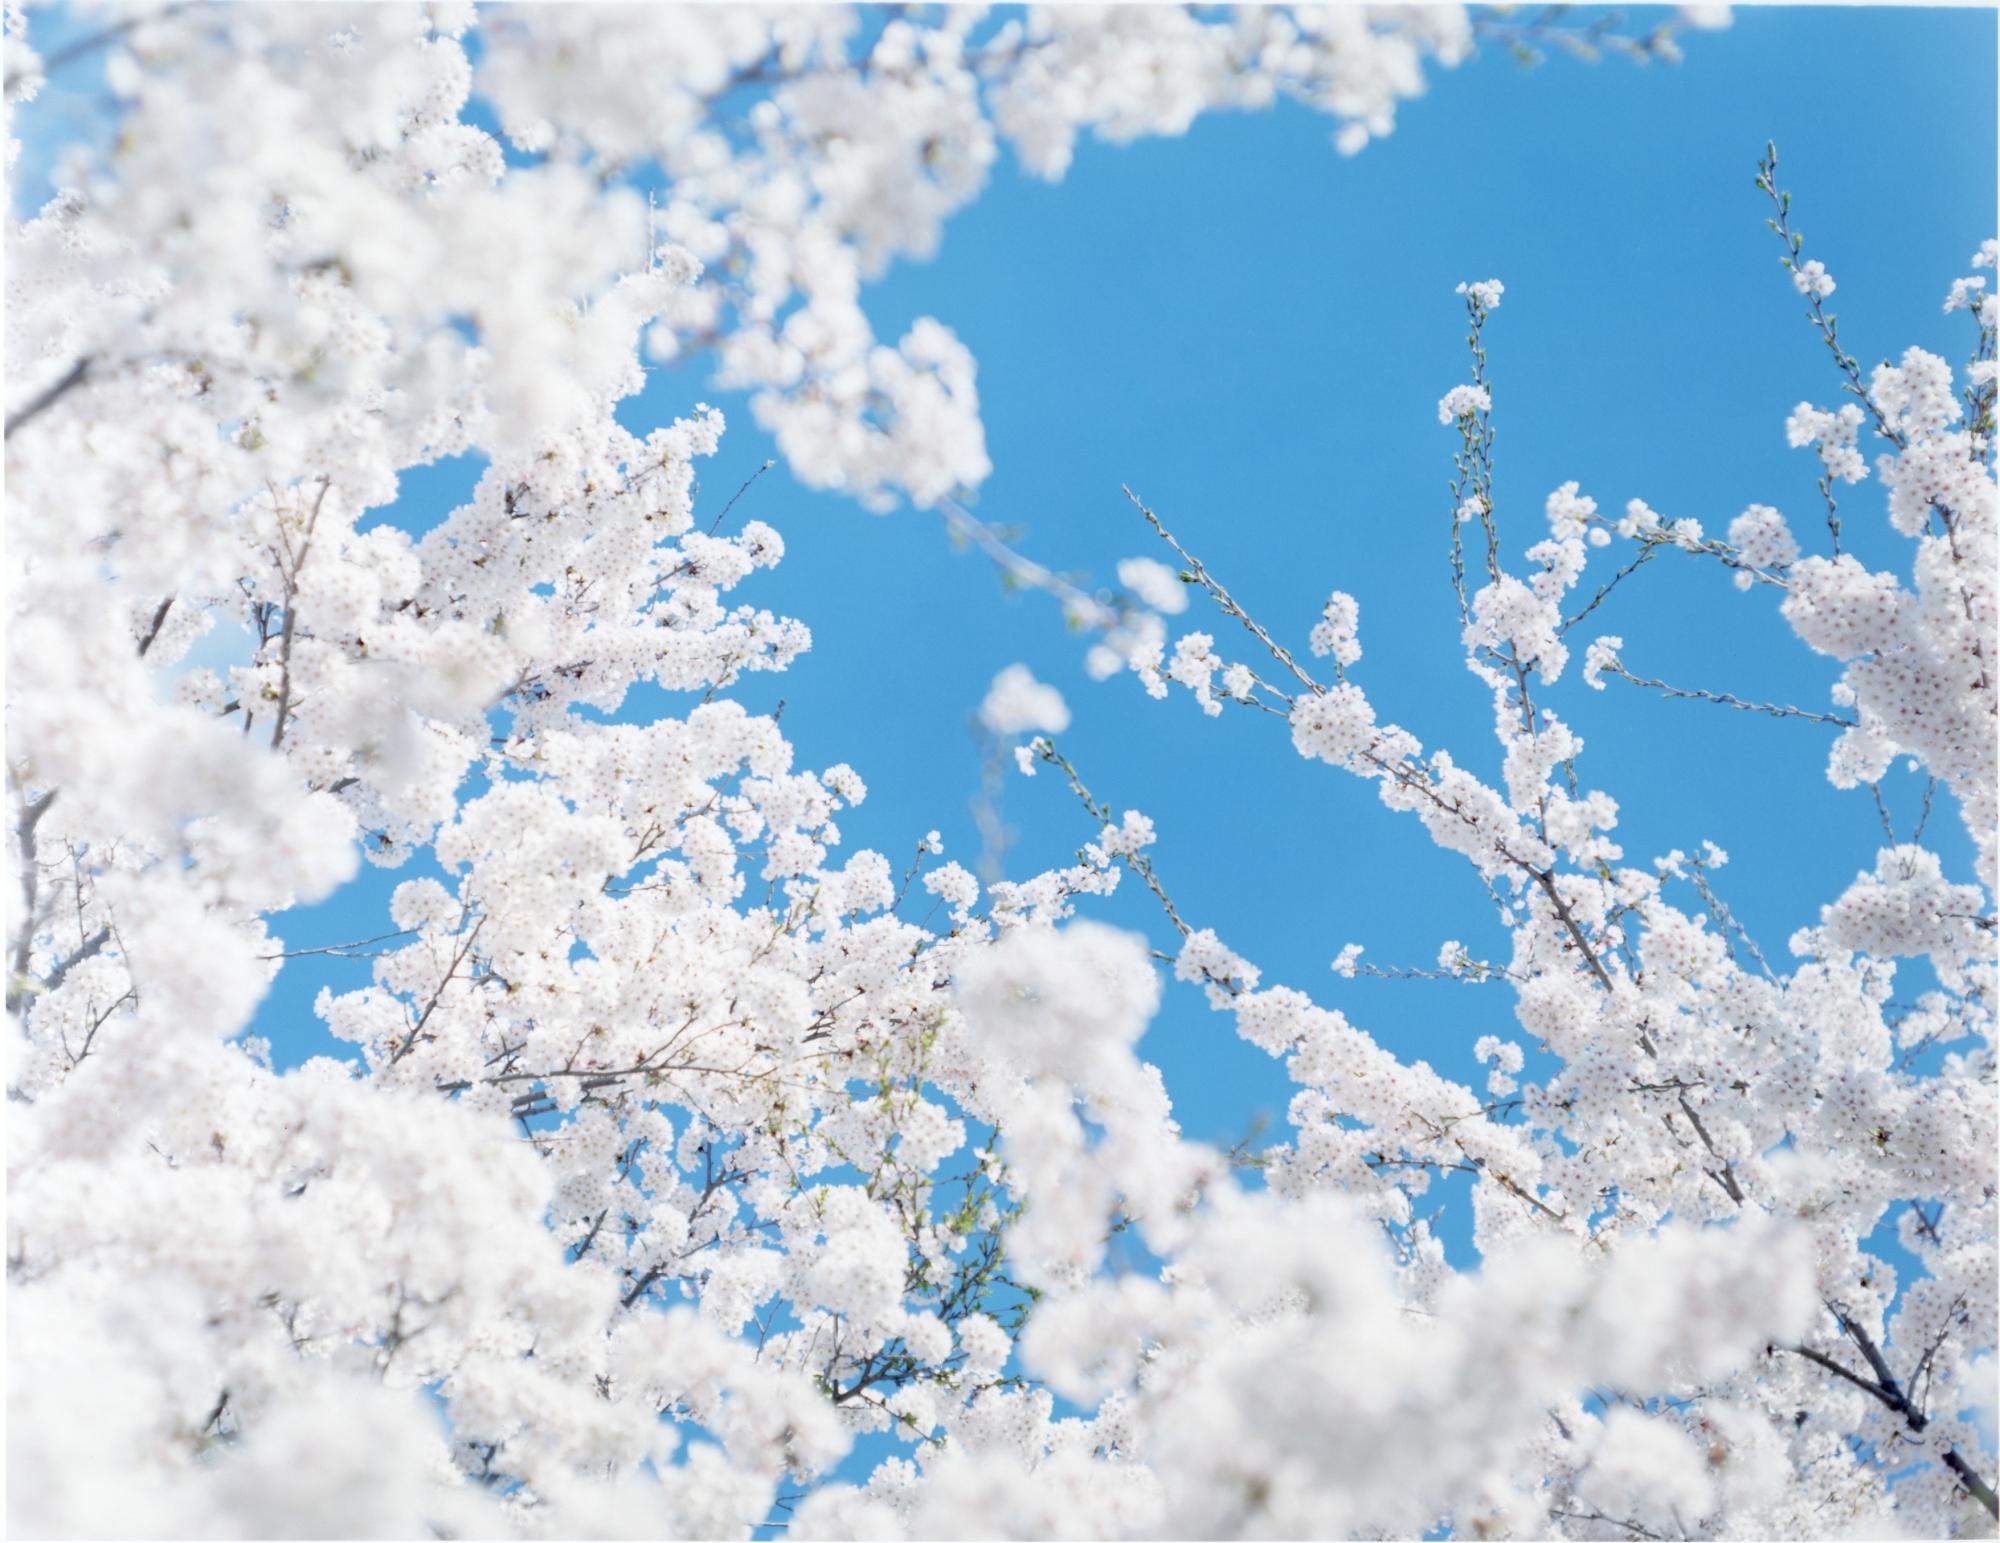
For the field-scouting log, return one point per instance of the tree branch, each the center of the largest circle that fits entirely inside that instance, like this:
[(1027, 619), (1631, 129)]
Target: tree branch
[(285, 639), (1888, 1392), (48, 398)]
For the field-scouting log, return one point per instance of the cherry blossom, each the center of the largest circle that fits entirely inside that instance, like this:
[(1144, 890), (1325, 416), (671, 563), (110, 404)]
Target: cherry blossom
[(680, 1145)]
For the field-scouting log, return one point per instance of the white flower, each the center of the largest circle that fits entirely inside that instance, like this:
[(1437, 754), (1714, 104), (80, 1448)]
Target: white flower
[(1337, 725), (1463, 402), (1811, 278), (1639, 519), (1135, 834), (1017, 703), (1336, 631), (1569, 512), (1762, 539), (1965, 294), (1155, 584), (1834, 433), (1600, 656)]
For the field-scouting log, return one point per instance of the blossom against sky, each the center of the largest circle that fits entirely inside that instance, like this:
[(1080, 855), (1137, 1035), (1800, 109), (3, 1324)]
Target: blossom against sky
[(1253, 331), (1237, 356)]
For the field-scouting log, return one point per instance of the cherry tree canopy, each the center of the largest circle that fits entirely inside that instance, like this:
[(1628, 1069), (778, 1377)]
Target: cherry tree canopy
[(675, 1158)]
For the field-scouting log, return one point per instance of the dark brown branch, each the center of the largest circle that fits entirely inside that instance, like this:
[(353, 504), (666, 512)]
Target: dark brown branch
[(48, 398), (83, 47), (285, 639), (437, 996), (1888, 1392), (1725, 1176), (159, 620), (32, 811), (88, 948)]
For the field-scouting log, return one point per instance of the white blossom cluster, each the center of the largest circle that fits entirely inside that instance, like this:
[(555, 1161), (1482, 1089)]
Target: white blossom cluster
[(1920, 652), (1690, 1079), (807, 150), (673, 1155), (1017, 703)]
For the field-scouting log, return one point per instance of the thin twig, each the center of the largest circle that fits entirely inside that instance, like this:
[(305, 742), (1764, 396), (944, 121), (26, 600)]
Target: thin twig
[(1222, 597), (1087, 609), (1724, 699), (712, 529), (341, 950)]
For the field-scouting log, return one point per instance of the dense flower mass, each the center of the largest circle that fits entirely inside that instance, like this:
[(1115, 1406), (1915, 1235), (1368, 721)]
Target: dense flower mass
[(677, 1147)]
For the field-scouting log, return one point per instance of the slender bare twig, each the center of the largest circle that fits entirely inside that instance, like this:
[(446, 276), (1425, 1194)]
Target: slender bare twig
[(717, 525), (1138, 862), (1724, 917), (1025, 571), (341, 950), (1223, 598), (1724, 699), (1646, 555)]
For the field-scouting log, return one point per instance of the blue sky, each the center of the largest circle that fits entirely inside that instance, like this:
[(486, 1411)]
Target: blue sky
[(1253, 331)]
